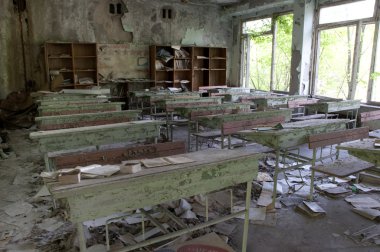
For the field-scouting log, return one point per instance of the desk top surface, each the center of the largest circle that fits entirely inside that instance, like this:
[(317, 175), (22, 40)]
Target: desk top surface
[(364, 145), (200, 158)]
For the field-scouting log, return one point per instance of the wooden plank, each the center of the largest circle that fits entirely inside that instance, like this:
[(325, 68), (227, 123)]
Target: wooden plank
[(344, 168), (337, 137), (75, 138), (301, 102), (216, 121), (212, 109), (235, 126), (115, 155), (86, 119)]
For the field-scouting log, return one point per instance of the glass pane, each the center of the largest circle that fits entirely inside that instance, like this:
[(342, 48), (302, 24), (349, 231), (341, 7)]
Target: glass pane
[(257, 26), (368, 32), (376, 76), (260, 62), (346, 12), (335, 58), (283, 52)]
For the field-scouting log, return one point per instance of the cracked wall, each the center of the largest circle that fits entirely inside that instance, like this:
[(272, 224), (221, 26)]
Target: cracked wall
[(125, 37)]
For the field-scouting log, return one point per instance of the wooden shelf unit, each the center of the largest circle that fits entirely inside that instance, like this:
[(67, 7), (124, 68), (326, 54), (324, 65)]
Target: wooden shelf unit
[(205, 66), (71, 62)]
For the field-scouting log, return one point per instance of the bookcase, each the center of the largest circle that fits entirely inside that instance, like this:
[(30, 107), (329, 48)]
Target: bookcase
[(192, 67), (71, 65)]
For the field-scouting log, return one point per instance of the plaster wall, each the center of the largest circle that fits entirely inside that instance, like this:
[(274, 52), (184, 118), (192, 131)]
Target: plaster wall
[(123, 39), (11, 64)]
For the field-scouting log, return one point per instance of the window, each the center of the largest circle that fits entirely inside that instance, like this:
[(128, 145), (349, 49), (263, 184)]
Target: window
[(344, 51), (266, 53), (345, 12)]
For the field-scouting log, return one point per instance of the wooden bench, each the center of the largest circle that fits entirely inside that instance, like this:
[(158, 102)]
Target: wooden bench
[(370, 119), (114, 155), (338, 168), (86, 119)]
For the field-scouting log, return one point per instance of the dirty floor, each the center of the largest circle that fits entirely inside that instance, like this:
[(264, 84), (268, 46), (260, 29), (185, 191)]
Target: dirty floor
[(287, 230)]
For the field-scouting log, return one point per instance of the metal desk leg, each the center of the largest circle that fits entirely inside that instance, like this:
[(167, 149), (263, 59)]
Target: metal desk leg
[(276, 171), (82, 239), (312, 174), (246, 217)]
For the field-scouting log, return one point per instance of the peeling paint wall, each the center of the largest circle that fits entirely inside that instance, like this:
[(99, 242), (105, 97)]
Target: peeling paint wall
[(140, 25), (11, 66)]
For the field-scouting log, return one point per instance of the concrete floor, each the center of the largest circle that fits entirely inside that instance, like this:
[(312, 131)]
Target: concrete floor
[(292, 231)]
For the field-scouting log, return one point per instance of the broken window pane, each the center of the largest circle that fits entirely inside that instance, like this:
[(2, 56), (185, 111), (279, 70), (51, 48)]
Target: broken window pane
[(335, 57), (257, 27), (346, 12)]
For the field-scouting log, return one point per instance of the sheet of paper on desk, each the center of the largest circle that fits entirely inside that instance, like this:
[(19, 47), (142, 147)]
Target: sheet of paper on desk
[(155, 162), (178, 160)]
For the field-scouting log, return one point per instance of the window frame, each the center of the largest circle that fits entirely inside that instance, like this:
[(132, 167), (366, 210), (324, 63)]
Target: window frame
[(245, 42), (358, 23)]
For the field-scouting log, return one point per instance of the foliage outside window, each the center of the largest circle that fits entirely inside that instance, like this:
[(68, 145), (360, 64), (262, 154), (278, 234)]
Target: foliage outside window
[(344, 52), (268, 65)]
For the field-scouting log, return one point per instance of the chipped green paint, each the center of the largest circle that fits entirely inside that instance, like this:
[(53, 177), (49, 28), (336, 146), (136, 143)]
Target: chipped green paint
[(330, 107), (278, 101), (216, 121), (76, 118), (67, 139), (364, 150), (98, 107), (294, 134), (76, 100), (212, 170), (185, 111)]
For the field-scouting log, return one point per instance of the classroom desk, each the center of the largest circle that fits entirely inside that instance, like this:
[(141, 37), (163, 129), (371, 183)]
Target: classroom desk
[(263, 103), (364, 150), (75, 138), (240, 119), (335, 106), (211, 170), (293, 135)]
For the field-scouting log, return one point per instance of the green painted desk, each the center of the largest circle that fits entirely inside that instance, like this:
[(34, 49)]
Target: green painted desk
[(85, 119), (336, 106), (218, 121), (212, 170), (364, 150), (76, 138), (51, 110), (263, 103), (293, 135)]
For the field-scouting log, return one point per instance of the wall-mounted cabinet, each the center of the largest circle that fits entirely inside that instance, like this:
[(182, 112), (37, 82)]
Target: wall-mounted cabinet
[(71, 65), (192, 67)]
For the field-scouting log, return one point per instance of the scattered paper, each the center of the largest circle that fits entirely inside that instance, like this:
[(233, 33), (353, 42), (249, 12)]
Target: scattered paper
[(18, 208), (362, 201), (323, 187), (43, 192), (368, 213), (154, 162), (258, 213), (313, 206), (50, 224), (264, 177)]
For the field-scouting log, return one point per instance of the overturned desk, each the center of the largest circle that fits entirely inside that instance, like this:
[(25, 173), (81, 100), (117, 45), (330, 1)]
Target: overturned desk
[(211, 170)]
